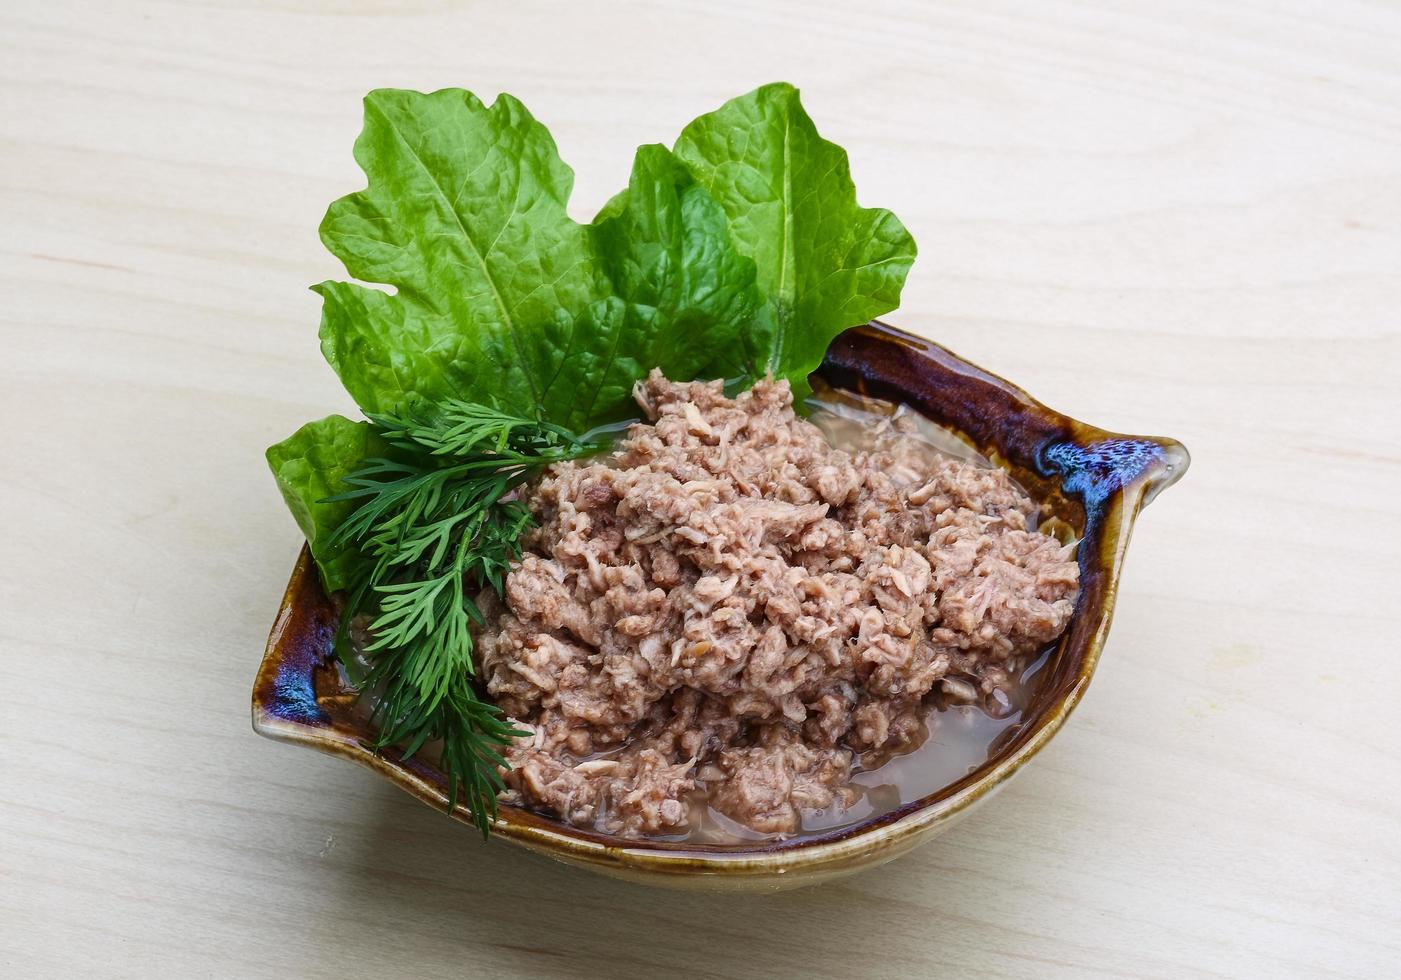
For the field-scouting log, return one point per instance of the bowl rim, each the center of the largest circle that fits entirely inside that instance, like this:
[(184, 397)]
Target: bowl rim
[(285, 705)]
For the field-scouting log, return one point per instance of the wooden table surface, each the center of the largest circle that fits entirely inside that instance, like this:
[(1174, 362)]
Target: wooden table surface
[(1179, 218)]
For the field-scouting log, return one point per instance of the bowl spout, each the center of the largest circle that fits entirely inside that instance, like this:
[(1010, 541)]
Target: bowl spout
[(1114, 464)]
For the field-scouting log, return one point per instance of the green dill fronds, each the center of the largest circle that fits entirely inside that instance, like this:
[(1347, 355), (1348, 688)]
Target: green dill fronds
[(435, 524)]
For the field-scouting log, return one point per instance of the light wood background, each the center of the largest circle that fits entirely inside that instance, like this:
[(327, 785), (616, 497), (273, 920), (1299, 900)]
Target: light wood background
[(1181, 218)]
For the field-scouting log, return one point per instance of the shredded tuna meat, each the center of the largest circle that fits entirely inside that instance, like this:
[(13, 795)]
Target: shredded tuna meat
[(730, 611)]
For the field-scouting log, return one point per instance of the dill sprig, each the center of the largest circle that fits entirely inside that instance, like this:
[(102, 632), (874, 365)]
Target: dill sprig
[(434, 524)]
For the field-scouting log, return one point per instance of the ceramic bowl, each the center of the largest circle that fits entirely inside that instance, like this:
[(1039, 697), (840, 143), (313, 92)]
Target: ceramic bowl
[(1093, 480)]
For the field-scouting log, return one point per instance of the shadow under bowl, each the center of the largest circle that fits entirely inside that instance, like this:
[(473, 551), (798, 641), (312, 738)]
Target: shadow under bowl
[(1095, 481)]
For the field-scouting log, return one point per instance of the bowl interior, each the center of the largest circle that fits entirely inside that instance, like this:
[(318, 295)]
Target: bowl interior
[(1092, 481)]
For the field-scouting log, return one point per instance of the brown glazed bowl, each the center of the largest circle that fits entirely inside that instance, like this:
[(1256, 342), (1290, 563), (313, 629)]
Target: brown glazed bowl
[(1094, 481)]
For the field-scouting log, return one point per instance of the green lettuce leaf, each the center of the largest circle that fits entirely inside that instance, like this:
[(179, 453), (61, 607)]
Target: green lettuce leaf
[(824, 262), (499, 296), (309, 466), (664, 243), (464, 216)]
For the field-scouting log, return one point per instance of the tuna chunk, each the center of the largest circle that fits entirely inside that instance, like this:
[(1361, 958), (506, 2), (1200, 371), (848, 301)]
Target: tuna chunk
[(730, 611)]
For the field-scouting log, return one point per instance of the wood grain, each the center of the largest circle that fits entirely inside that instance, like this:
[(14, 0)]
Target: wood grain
[(1182, 218)]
